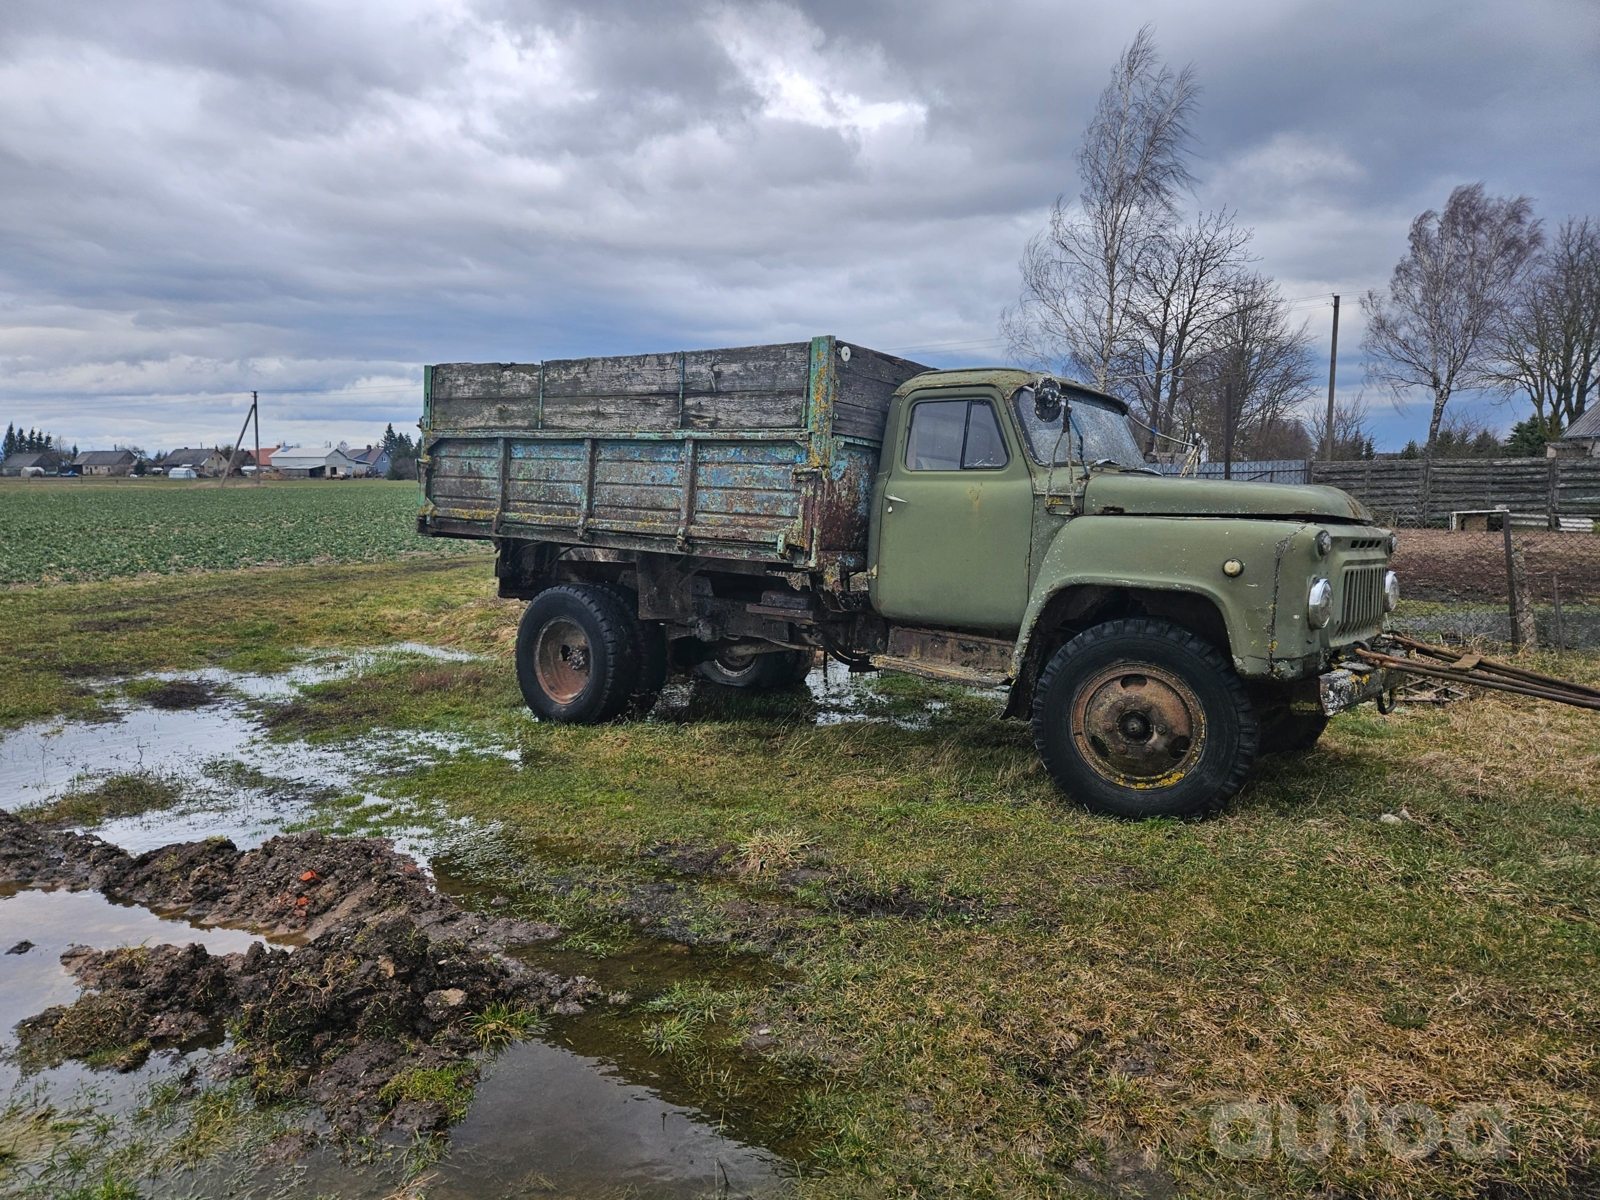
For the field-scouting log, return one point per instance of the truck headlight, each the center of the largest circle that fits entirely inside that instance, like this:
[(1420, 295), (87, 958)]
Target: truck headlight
[(1319, 604), (1391, 591), (1394, 543), (1324, 543)]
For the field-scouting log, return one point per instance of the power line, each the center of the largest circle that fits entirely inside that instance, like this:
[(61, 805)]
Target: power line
[(944, 346)]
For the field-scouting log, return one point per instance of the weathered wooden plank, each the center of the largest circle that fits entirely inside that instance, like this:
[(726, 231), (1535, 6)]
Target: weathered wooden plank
[(866, 384), (745, 410), (468, 381)]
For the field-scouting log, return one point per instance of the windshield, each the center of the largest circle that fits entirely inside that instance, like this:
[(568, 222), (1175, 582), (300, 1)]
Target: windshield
[(1099, 432)]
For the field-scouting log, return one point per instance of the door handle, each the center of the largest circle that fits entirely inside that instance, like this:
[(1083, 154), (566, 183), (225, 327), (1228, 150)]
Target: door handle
[(896, 499)]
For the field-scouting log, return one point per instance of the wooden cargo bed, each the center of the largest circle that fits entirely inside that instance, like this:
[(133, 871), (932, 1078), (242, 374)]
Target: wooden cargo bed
[(761, 452)]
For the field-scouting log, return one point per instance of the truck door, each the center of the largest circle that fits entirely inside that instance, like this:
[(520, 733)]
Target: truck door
[(955, 522)]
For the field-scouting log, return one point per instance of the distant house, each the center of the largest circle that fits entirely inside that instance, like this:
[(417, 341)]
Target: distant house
[(1580, 441), (208, 464), (374, 460), (104, 462), (266, 457), (33, 462), (310, 462)]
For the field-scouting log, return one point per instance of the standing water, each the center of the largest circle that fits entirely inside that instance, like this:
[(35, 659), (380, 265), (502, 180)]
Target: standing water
[(544, 1120)]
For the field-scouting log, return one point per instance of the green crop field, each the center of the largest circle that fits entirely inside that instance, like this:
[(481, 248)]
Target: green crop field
[(67, 531)]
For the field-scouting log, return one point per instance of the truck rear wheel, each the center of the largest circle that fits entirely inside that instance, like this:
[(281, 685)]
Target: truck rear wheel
[(577, 660), (1141, 718), (742, 669)]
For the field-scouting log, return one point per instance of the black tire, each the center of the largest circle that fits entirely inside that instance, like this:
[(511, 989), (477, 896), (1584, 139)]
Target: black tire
[(1141, 718), (1285, 732), (577, 662), (759, 672), (649, 646)]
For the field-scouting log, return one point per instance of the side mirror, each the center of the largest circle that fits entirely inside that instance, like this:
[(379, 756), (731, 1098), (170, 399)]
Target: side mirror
[(1047, 401)]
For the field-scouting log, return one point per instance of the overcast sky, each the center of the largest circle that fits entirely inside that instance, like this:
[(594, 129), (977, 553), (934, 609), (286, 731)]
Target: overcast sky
[(314, 197)]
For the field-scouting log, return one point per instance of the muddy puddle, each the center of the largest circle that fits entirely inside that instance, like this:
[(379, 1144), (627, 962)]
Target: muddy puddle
[(547, 1121), (584, 1109)]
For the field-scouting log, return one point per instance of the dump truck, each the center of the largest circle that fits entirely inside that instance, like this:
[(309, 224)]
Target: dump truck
[(735, 512)]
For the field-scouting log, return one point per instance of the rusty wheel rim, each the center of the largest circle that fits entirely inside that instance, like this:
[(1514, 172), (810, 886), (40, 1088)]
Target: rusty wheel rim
[(735, 663), (561, 660), (1138, 725)]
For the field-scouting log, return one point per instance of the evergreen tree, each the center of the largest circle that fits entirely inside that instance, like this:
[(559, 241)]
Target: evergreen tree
[(10, 442), (1528, 437), (389, 439)]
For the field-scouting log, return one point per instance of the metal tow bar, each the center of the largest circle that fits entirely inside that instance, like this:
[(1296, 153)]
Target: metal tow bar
[(1456, 666)]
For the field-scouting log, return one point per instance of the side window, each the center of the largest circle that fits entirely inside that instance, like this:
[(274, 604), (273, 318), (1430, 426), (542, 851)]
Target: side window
[(954, 435), (985, 447)]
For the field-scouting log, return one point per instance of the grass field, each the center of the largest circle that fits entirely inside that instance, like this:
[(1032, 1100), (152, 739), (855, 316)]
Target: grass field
[(73, 530), (984, 990)]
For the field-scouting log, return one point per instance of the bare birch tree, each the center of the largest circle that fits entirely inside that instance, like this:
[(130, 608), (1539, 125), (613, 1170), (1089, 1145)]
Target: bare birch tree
[(1080, 272), (1444, 316), (1186, 287), (1551, 351), (1268, 362)]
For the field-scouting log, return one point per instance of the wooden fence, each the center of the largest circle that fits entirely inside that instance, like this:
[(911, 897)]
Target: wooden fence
[(1418, 493)]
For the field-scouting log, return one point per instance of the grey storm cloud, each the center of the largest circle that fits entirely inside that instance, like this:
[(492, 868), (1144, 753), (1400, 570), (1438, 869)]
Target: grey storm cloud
[(312, 199)]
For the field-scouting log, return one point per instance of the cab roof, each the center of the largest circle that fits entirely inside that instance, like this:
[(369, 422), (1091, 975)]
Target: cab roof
[(1006, 380)]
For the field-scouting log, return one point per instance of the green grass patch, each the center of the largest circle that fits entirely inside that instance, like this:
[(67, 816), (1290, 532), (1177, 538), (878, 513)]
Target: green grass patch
[(71, 531), (120, 796), (449, 1086), (500, 1024)]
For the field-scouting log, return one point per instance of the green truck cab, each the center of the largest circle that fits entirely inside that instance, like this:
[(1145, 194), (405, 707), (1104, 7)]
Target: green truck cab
[(995, 528)]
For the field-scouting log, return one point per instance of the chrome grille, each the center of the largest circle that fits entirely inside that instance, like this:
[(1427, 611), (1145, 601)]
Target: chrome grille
[(1361, 599)]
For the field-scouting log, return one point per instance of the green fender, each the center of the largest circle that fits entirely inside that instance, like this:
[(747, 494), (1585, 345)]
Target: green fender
[(1267, 632)]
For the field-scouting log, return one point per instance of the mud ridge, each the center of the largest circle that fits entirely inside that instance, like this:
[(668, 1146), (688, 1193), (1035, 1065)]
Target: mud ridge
[(372, 1014)]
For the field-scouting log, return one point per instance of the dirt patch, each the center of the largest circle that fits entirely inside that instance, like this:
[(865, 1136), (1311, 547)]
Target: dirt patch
[(178, 694), (112, 624), (900, 902), (692, 858), (392, 981), (338, 705), (1445, 566)]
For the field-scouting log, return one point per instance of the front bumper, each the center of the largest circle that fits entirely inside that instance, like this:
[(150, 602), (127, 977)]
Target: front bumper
[(1346, 688)]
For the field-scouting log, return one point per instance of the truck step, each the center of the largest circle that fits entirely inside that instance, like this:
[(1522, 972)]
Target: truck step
[(945, 672)]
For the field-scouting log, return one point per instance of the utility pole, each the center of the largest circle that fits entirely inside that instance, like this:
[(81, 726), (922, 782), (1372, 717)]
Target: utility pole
[(238, 443), (1227, 429), (1333, 365)]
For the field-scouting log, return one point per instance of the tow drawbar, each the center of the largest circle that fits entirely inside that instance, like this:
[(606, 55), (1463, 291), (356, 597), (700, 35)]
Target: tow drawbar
[(1474, 670)]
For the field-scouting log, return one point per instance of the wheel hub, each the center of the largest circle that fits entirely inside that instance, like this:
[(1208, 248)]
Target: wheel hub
[(1138, 725), (561, 660)]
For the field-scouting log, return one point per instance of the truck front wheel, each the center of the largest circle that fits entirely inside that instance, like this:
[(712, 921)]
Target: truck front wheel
[(1141, 718), (577, 661)]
